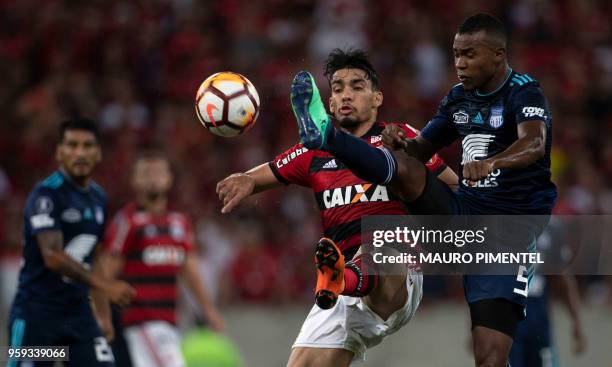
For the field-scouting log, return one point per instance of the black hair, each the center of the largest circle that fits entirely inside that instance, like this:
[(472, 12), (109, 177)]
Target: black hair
[(79, 123), (351, 58), (484, 22)]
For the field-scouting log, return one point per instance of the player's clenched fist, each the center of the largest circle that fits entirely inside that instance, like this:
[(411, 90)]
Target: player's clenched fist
[(394, 137), (233, 189), (477, 170)]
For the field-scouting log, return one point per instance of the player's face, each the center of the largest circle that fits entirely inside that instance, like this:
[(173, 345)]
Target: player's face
[(353, 101), (152, 176), (78, 153), (476, 59)]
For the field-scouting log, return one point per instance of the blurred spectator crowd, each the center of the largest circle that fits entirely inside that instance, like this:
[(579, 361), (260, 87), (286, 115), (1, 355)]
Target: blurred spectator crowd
[(135, 67)]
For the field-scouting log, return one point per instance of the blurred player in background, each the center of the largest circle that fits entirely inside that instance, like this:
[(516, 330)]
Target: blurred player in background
[(151, 248), (65, 216), (342, 325), (504, 122), (533, 344)]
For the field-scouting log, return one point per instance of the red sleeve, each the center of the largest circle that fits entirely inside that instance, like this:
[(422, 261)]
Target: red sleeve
[(291, 166), (118, 234), (435, 164)]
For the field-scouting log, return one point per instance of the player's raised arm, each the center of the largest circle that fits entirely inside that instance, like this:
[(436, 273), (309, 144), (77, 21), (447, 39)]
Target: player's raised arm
[(234, 188), (54, 257)]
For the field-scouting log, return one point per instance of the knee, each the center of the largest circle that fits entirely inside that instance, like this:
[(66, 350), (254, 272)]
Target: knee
[(490, 355)]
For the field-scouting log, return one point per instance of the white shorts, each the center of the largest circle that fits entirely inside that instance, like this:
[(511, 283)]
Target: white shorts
[(352, 325), (154, 344)]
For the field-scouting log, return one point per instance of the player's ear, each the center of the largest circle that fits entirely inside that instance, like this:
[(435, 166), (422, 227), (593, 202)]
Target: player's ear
[(332, 107), (378, 98)]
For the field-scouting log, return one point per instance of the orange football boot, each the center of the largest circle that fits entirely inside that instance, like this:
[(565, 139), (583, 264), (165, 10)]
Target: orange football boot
[(330, 273)]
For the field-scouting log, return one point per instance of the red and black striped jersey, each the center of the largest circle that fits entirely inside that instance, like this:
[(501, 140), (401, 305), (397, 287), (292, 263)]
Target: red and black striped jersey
[(342, 197), (155, 247)]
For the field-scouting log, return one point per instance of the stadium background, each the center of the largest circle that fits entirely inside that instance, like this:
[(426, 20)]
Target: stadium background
[(135, 66)]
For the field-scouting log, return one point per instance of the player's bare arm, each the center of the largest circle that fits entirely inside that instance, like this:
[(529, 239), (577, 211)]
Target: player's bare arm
[(50, 243), (190, 276), (100, 301), (526, 150), (234, 188)]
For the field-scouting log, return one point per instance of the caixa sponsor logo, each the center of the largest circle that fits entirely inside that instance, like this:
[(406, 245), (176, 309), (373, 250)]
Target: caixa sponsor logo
[(533, 111), (163, 255), (354, 194), (289, 157)]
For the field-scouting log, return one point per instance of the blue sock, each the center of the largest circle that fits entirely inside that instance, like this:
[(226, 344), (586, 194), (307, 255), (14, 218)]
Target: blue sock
[(375, 165)]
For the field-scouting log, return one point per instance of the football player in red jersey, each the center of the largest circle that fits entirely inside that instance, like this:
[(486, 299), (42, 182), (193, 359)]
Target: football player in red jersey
[(151, 248), (350, 309)]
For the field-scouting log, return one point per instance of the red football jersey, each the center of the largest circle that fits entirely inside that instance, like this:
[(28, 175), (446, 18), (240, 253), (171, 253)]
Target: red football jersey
[(155, 248), (343, 198)]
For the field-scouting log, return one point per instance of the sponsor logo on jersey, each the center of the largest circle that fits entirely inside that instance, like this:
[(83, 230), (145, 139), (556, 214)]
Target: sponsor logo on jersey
[(41, 221), (330, 165), (375, 139), (475, 146), (497, 117), (533, 111), (71, 215), (43, 204), (478, 119), (460, 117), (163, 255), (354, 194), (289, 157)]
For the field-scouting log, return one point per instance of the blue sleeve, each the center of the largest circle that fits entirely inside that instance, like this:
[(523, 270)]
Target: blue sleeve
[(530, 104), (440, 131), (43, 210)]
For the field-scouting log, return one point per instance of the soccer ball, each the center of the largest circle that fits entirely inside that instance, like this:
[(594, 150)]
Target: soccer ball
[(227, 104)]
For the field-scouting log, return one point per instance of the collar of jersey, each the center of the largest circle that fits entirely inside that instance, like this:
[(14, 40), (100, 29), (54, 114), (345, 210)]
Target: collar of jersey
[(497, 89), (71, 182)]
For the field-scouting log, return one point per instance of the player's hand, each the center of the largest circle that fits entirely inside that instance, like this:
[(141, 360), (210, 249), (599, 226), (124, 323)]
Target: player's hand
[(233, 189), (120, 292), (394, 137), (106, 325), (477, 170), (215, 321), (579, 340)]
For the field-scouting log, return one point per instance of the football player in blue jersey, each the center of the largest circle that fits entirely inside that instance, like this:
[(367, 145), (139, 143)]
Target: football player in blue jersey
[(504, 123), (64, 219)]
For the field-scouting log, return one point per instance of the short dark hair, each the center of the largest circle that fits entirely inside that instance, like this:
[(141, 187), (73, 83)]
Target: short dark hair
[(79, 123), (351, 58), (484, 22)]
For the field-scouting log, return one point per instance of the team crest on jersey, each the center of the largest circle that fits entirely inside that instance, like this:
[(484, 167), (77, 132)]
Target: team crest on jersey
[(99, 215), (460, 117), (176, 231), (497, 117)]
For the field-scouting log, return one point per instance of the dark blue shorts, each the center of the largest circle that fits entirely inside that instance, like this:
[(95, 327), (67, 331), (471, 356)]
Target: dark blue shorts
[(438, 199), (80, 332)]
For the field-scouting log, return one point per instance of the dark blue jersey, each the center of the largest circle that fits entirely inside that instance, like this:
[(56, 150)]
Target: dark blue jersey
[(57, 203), (487, 125)]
